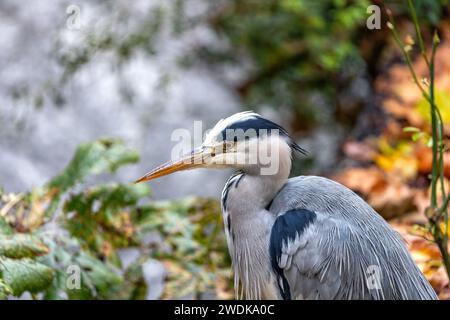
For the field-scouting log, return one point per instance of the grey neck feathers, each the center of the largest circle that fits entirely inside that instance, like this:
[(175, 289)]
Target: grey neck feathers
[(248, 224)]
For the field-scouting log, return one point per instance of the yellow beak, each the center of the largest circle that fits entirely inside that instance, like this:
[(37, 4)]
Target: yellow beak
[(195, 159)]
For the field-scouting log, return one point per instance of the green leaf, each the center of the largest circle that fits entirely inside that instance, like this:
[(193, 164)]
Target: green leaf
[(416, 136), (4, 227), (98, 279), (5, 290), (25, 275), (97, 276), (105, 155), (21, 246), (411, 129)]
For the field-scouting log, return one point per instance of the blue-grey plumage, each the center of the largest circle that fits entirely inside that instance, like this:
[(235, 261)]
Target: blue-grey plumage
[(301, 238), (335, 252)]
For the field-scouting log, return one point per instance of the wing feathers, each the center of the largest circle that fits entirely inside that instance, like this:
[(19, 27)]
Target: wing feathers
[(319, 257)]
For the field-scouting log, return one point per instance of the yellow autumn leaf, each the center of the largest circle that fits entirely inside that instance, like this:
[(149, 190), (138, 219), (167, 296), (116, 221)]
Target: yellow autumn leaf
[(442, 99), (398, 159)]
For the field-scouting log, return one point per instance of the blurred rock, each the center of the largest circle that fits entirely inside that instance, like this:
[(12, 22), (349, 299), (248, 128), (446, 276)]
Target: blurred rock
[(38, 141), (154, 274)]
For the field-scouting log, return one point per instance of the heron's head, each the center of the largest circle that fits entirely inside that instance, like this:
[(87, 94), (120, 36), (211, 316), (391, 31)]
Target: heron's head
[(244, 141)]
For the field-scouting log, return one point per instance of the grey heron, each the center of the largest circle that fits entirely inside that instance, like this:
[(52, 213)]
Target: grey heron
[(306, 237)]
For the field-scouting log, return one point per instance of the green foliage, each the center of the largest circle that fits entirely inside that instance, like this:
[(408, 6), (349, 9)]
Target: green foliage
[(295, 47), (19, 270), (93, 158), (430, 10), (90, 225), (5, 229), (25, 275), (21, 246), (194, 249), (101, 216), (5, 290), (98, 278), (104, 155), (437, 214)]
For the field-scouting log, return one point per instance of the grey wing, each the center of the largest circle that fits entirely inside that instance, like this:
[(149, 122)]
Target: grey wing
[(324, 254)]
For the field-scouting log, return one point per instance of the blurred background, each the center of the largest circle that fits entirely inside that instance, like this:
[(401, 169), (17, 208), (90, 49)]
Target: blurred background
[(91, 91)]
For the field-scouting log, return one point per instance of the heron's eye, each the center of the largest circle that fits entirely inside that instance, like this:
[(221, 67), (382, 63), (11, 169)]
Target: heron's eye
[(228, 145)]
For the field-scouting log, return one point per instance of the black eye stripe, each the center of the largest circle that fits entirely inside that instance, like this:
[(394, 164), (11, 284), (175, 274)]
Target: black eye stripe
[(256, 124)]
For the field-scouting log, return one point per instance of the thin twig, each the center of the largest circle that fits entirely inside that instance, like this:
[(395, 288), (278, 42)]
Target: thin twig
[(437, 174), (418, 33), (434, 133)]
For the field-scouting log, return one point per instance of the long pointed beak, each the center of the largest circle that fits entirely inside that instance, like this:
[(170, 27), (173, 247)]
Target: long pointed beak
[(195, 159)]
